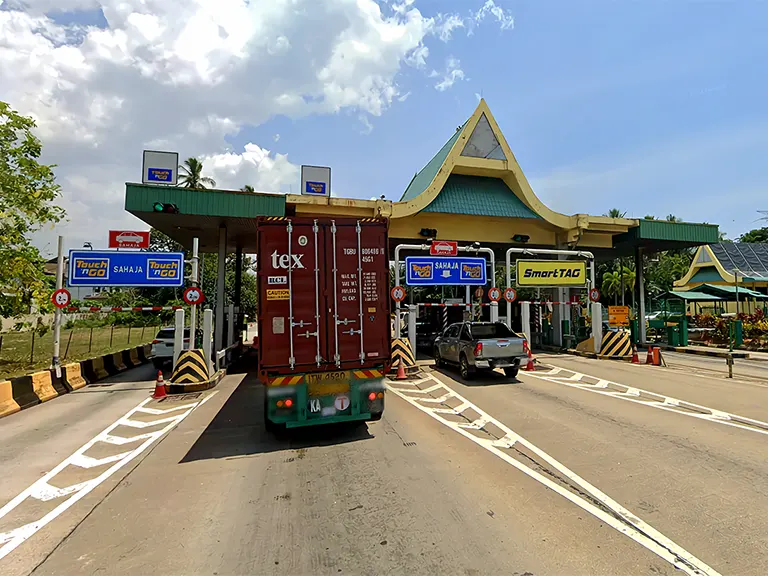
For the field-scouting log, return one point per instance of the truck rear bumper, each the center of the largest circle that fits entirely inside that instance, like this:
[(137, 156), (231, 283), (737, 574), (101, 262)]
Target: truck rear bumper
[(328, 420)]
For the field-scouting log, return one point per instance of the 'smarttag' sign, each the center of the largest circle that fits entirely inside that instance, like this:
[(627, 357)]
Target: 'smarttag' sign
[(551, 273)]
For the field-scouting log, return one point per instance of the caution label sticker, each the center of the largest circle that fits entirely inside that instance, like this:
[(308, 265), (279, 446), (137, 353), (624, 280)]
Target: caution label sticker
[(278, 294)]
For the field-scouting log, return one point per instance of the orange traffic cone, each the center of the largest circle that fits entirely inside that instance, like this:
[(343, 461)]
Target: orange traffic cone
[(401, 371), (529, 367), (635, 359), (649, 356), (159, 386)]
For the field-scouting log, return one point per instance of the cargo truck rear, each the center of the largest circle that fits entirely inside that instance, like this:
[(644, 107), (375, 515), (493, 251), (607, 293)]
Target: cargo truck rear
[(323, 315)]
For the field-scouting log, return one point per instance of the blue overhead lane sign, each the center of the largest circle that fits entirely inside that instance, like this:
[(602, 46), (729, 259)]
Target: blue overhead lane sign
[(137, 269), (445, 271)]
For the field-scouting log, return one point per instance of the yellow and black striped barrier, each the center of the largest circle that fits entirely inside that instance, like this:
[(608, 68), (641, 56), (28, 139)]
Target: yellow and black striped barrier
[(402, 353), (616, 346), (191, 373)]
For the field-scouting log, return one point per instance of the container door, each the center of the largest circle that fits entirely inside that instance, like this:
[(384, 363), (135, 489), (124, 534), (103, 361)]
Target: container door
[(358, 323), (290, 299)]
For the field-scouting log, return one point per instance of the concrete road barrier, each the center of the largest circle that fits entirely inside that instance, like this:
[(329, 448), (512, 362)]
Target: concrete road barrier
[(8, 404), (42, 385), (72, 376)]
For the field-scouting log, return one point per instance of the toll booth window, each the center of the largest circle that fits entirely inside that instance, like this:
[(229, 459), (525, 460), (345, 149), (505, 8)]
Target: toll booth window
[(498, 330), (465, 333)]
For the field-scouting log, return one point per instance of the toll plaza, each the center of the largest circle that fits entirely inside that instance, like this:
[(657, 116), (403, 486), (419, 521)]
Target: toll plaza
[(471, 193)]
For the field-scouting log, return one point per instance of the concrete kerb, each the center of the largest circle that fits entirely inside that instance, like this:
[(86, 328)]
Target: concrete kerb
[(32, 389), (173, 388), (698, 351)]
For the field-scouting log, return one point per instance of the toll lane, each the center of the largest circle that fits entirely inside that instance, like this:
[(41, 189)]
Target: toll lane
[(700, 483), (403, 495)]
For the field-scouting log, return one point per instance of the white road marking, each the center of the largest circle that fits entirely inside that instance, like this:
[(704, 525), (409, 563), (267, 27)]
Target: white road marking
[(43, 490), (653, 400), (610, 512)]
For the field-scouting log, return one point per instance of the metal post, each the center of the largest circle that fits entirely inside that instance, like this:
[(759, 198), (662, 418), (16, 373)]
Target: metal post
[(55, 362), (218, 332), (111, 334), (525, 318), (238, 275), (412, 313), (90, 340), (207, 329), (494, 311), (640, 287), (129, 334), (193, 309), (69, 341), (230, 324), (178, 335), (736, 278)]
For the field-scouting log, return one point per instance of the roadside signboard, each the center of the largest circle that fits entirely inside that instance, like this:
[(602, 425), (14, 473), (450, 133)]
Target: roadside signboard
[(193, 295), (551, 273), (510, 294), (398, 293), (479, 292), (137, 269), (316, 180), (160, 167), (494, 294), (618, 316), (445, 271), (128, 239), (594, 295), (443, 248), (61, 298)]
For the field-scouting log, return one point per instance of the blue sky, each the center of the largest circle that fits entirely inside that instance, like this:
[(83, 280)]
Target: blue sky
[(651, 107)]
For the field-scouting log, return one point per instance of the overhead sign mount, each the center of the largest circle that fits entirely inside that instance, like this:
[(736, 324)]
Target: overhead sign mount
[(160, 167), (315, 180), (551, 273), (137, 269), (445, 271)]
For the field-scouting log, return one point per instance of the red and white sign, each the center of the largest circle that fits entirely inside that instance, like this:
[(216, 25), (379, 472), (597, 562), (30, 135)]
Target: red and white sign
[(594, 295), (494, 294), (194, 295), (398, 293), (479, 292), (443, 248), (61, 298), (128, 239), (341, 402), (510, 294)]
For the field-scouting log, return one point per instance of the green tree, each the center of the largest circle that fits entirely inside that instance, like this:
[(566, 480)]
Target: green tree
[(612, 285), (615, 213), (672, 218), (757, 236), (192, 175), (28, 190), (248, 188)]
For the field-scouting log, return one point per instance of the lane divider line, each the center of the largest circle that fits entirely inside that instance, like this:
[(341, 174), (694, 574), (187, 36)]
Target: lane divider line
[(653, 400), (43, 490), (599, 504)]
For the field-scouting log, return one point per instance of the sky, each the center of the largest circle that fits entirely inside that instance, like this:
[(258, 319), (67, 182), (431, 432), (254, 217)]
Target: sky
[(652, 107)]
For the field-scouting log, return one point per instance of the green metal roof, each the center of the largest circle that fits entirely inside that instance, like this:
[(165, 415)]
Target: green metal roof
[(728, 290), (675, 231), (424, 177), (708, 274), (692, 295), (479, 196), (223, 203)]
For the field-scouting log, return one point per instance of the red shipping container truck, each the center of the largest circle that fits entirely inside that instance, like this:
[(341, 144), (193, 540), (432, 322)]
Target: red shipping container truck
[(324, 319)]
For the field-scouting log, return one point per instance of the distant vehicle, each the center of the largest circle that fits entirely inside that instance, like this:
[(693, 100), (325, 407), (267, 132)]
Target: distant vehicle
[(129, 238), (162, 346), (480, 345)]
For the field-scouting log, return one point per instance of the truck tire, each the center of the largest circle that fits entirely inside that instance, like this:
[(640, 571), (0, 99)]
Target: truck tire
[(376, 416), (467, 371), (511, 372)]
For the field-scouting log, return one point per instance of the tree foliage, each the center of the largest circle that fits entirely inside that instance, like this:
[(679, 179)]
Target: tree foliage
[(757, 236), (28, 191), (191, 175)]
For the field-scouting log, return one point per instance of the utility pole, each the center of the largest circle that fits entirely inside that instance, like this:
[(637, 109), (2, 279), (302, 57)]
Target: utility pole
[(55, 362)]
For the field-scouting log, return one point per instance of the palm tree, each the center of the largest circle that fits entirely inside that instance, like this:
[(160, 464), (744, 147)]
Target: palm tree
[(649, 217), (612, 285), (672, 218), (192, 175), (615, 213), (628, 280), (248, 188)]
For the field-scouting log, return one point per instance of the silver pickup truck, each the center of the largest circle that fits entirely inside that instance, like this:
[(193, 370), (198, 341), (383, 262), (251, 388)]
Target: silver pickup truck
[(480, 345)]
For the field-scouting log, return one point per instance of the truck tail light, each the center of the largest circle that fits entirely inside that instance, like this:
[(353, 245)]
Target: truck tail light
[(372, 396), (479, 349), (155, 341), (288, 403), (525, 345)]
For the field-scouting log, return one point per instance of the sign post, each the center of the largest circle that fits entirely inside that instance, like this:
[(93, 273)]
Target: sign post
[(55, 361), (193, 301), (618, 316)]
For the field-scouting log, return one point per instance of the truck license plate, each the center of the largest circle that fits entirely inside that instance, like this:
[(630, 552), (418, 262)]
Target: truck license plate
[(328, 383)]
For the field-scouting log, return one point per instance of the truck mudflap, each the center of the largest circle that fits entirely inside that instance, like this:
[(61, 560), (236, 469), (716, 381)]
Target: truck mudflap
[(302, 404)]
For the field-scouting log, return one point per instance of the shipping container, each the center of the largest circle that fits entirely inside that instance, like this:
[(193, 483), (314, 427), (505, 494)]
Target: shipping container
[(324, 319)]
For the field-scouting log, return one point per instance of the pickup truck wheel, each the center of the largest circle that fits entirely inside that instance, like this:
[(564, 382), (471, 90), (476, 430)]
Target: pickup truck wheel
[(511, 372), (438, 360), (467, 371)]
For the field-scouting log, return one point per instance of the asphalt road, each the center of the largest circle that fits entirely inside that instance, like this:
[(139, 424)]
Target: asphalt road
[(409, 494)]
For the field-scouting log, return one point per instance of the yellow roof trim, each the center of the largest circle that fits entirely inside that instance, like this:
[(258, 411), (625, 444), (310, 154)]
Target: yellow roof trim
[(696, 266), (508, 170)]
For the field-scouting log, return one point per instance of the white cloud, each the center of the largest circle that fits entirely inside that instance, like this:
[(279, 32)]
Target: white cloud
[(403, 97), (452, 73), (183, 75), (276, 137), (503, 17), (367, 126), (446, 24), (255, 166)]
